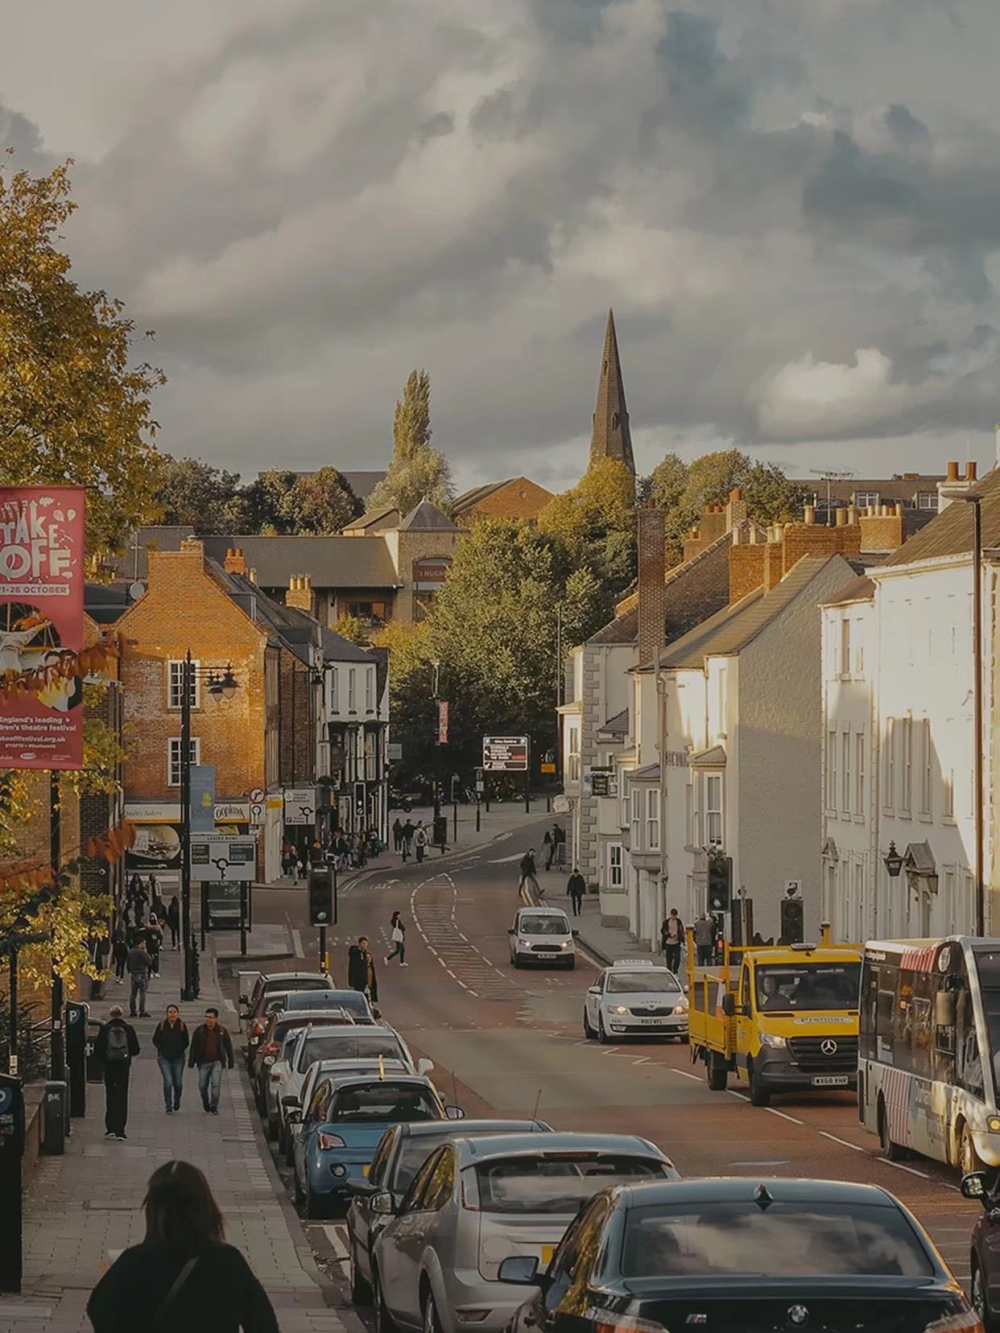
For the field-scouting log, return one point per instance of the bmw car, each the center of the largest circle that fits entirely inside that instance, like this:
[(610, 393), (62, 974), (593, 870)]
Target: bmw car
[(742, 1256), (635, 999)]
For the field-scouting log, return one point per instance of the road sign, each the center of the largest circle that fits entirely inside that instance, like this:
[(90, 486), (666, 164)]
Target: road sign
[(219, 859), (548, 768), (505, 754), (393, 751), (560, 805), (257, 795), (257, 809), (793, 886), (300, 805)]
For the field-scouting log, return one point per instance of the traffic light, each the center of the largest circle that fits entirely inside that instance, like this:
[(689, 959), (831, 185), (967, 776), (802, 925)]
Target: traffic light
[(791, 920), (720, 883), (320, 896)]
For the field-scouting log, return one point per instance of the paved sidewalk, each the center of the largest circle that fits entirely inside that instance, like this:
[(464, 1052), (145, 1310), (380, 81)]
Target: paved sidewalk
[(84, 1207)]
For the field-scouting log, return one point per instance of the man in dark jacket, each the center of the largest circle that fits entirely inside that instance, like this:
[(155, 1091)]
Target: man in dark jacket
[(211, 1050), (116, 1047), (576, 888), (139, 966), (529, 872), (171, 1041), (361, 969)]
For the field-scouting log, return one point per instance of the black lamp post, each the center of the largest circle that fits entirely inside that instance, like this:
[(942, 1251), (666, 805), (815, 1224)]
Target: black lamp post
[(977, 654), (893, 861)]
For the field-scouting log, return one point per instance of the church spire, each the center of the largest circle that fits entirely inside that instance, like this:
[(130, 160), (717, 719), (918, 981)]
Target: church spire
[(612, 437)]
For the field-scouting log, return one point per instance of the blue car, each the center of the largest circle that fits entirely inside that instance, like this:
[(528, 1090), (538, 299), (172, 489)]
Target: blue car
[(342, 1125)]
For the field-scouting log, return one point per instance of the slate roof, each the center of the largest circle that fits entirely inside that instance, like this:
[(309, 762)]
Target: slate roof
[(331, 562), (298, 630), (469, 498), (427, 518), (617, 725), (375, 517), (713, 758), (106, 602), (132, 563), (730, 631), (651, 773), (625, 627), (363, 483), (861, 589), (950, 533)]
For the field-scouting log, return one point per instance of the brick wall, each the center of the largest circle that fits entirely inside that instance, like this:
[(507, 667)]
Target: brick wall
[(517, 498), (296, 722), (185, 608), (881, 532), (702, 590), (746, 569), (651, 590)]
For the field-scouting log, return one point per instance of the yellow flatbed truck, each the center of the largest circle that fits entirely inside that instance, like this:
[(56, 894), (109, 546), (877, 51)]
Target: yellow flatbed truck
[(782, 1018)]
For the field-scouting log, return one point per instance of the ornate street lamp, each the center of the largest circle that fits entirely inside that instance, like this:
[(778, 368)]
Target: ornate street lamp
[(893, 861)]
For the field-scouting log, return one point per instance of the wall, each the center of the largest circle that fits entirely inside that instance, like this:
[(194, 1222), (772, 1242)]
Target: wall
[(605, 692), (517, 498), (297, 721)]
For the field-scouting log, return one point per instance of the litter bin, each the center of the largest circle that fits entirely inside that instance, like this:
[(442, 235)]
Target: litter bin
[(54, 1123)]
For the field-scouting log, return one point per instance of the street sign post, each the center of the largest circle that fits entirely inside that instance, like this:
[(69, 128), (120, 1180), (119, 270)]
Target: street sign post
[(505, 754), (300, 805), (218, 858)]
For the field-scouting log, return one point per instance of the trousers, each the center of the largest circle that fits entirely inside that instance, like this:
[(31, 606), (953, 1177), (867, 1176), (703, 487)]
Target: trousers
[(173, 1081), (139, 983), (210, 1084), (116, 1096)]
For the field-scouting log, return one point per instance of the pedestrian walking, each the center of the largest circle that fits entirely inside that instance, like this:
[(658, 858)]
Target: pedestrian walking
[(211, 1050), (119, 953), (154, 943), (397, 836), (704, 939), (397, 933), (361, 969), (182, 1275), (559, 842), (139, 966), (174, 922), (549, 849), (171, 1040), (576, 888), (671, 939), (408, 834), (116, 1047), (420, 840), (529, 872)]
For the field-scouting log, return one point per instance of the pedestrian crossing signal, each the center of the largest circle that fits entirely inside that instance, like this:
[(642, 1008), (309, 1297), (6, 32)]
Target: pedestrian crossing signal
[(791, 921), (320, 896)]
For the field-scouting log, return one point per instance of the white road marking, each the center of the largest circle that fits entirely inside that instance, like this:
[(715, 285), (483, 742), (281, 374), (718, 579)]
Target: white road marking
[(338, 1242), (684, 1074), (910, 1170), (843, 1142), (297, 943), (784, 1115)]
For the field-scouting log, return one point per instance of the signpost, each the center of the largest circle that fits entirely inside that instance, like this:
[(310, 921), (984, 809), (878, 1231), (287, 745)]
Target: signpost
[(300, 805), (222, 858), (509, 754)]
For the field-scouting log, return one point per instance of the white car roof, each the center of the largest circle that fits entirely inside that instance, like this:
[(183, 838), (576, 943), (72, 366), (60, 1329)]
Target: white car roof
[(631, 964)]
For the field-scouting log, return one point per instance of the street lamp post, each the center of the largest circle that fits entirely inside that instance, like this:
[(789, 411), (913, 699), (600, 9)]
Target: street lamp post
[(436, 664), (977, 706)]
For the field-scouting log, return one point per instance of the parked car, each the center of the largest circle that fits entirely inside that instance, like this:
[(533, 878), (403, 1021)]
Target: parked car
[(476, 1201), (342, 1125), (292, 1110), (741, 1255), (282, 1026), (542, 935), (401, 1152), (271, 994), (985, 1266)]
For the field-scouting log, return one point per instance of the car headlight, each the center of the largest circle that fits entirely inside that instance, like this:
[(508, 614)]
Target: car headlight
[(566, 944), (770, 1039), (619, 1008), (524, 944), (681, 1008)]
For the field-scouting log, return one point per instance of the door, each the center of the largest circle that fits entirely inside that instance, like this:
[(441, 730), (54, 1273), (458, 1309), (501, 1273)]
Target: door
[(361, 1216), (401, 1244), (746, 1019), (593, 1001), (303, 1136)]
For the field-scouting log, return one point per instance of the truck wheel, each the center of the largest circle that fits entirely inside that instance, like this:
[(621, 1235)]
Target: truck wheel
[(716, 1072), (759, 1095)]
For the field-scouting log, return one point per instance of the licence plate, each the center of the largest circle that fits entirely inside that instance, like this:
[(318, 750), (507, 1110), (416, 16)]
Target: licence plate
[(366, 1168), (547, 1252), (652, 1022), (831, 1081), (546, 955)]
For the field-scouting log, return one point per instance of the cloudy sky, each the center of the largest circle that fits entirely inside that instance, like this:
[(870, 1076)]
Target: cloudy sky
[(792, 205)]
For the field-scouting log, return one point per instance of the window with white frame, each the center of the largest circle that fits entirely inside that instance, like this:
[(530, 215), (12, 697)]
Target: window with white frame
[(174, 758), (889, 792), (624, 816), (858, 871), (573, 755), (927, 500), (865, 498), (845, 772), (616, 866), (653, 820), (713, 809), (831, 769), (352, 690), (948, 794), (175, 685), (859, 653), (369, 690), (690, 830), (859, 773), (926, 767), (334, 690), (845, 646), (906, 764), (636, 819)]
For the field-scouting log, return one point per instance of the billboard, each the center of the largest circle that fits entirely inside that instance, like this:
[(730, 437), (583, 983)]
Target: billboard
[(505, 754), (42, 533)]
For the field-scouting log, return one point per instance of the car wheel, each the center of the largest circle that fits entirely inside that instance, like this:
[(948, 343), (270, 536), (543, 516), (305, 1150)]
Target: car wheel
[(297, 1194), (892, 1152), (384, 1322), (602, 1033), (272, 1128), (361, 1291), (759, 1095), (979, 1301), (431, 1322), (571, 964), (515, 961), (588, 1031)]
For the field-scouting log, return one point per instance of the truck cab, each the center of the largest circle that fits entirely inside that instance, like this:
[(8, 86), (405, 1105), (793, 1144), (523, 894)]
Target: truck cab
[(783, 1018)]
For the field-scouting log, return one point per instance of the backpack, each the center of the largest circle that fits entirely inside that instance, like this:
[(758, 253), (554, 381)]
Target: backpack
[(117, 1044)]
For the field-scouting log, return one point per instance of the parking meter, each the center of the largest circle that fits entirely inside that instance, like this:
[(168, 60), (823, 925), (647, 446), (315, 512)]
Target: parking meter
[(11, 1154), (77, 1017)]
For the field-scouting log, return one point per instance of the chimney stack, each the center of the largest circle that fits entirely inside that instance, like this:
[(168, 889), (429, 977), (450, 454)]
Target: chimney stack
[(952, 471), (300, 594), (809, 516), (954, 485), (970, 471), (652, 594), (234, 562)]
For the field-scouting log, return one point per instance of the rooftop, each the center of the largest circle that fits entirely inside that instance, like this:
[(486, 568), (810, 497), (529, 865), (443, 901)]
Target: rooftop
[(861, 589), (427, 518), (330, 562), (950, 533)]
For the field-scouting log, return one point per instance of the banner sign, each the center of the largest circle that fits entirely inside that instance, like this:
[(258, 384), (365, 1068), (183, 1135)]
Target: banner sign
[(505, 754), (42, 532), (202, 798), (442, 721)]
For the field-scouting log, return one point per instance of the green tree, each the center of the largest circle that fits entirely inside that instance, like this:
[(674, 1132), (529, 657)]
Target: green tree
[(265, 505), (667, 482), (74, 403), (196, 493), (594, 524), (324, 502), (416, 471)]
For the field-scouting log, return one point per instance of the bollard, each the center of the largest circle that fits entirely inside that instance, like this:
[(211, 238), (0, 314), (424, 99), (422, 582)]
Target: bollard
[(54, 1123), (478, 815)]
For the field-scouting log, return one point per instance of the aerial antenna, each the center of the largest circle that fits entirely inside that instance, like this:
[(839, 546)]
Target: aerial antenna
[(534, 1114), (829, 475)]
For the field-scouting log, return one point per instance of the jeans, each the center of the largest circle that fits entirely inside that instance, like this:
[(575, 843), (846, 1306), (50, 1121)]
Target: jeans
[(673, 956), (139, 983), (116, 1096), (705, 952), (420, 851), (210, 1084), (173, 1079), (576, 899), (398, 950), (120, 968), (174, 936)]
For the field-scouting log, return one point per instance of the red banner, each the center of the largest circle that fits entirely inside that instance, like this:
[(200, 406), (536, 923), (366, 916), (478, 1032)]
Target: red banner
[(42, 533), (442, 721)]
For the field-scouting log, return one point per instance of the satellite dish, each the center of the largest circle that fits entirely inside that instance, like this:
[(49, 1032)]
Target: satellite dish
[(137, 590)]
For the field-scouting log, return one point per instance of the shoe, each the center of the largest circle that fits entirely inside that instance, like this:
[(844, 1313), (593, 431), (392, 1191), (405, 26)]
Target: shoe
[(142, 1014), (119, 980), (131, 1013), (404, 965), (121, 1137), (214, 1110), (109, 1133), (170, 1110)]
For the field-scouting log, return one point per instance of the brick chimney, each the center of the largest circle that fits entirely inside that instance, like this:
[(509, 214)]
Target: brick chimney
[(193, 546), (300, 593), (954, 485), (736, 510), (882, 528), (652, 595), (234, 562)]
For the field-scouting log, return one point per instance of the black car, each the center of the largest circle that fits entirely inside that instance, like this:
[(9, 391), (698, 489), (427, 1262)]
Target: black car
[(743, 1256), (985, 1267), (401, 1153)]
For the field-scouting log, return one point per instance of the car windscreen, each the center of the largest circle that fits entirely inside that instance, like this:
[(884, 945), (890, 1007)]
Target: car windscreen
[(289, 1027), (300, 983), (544, 925), (788, 986), (347, 1047), (721, 1238), (382, 1100), (322, 999), (631, 983), (555, 1183)]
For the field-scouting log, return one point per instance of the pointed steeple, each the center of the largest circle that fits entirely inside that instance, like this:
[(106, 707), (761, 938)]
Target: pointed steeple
[(612, 437)]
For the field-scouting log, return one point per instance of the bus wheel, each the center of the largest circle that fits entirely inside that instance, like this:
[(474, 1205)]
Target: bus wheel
[(716, 1072), (968, 1158), (891, 1151)]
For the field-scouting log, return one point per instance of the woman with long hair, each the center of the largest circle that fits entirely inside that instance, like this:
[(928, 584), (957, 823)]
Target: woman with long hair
[(183, 1275)]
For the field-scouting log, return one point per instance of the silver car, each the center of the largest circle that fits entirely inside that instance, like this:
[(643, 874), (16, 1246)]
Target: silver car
[(542, 935), (474, 1203)]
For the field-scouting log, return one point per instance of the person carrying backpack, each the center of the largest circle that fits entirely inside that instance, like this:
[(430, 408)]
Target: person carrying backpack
[(139, 966), (116, 1047)]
